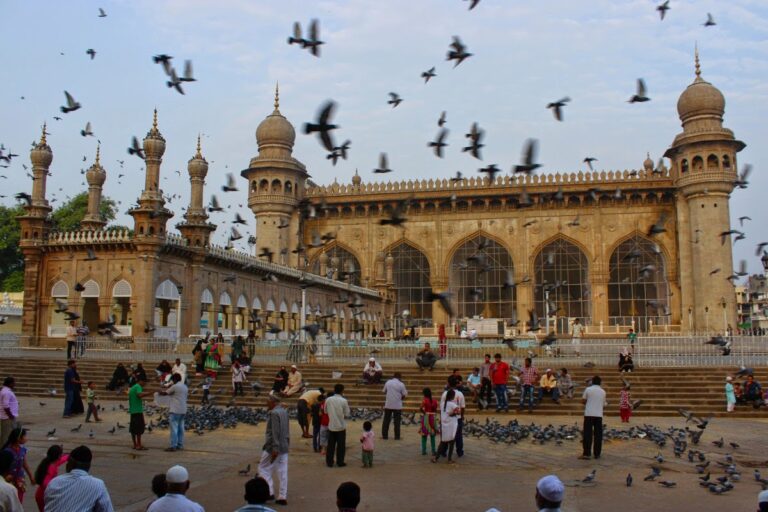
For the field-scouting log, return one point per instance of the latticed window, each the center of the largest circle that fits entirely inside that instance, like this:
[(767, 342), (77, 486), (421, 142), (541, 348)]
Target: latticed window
[(346, 263), (637, 286), (561, 277), (477, 275), (412, 285)]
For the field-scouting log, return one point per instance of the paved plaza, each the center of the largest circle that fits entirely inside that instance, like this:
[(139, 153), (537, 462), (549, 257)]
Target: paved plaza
[(489, 475)]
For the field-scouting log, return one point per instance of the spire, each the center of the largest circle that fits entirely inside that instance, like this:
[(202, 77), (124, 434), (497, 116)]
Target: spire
[(696, 61), (154, 123), (43, 141), (199, 153), (98, 150), (277, 97)]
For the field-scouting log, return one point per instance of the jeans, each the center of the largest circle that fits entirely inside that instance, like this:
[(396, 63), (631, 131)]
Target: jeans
[(177, 430), (527, 392), (555, 392), (316, 436), (70, 347), (485, 390), (501, 396), (593, 435), (388, 413), (337, 442), (460, 438), (69, 399)]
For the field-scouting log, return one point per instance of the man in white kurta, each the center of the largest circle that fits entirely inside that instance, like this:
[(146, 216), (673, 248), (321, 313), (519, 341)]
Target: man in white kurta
[(295, 382)]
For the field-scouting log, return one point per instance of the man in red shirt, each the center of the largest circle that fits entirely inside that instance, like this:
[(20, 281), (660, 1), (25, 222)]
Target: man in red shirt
[(499, 378), (528, 376)]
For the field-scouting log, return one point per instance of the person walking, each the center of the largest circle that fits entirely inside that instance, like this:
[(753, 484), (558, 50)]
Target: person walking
[(486, 387), (337, 408), (592, 437), (577, 330), (274, 453), (177, 411), (393, 405), (9, 409), (174, 500), (499, 377), (76, 489), (71, 386), (71, 339), (136, 410), (90, 399)]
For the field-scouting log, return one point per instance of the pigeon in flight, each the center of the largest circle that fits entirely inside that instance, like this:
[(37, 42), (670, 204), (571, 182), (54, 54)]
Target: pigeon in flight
[(87, 131), (492, 170), (710, 21), (230, 185), (663, 8), (72, 105), (394, 99), (528, 164), (383, 165), (313, 42), (458, 51), (135, 149), (588, 160), (165, 61), (322, 126), (439, 143), (187, 77), (741, 181), (557, 107), (174, 81), (91, 52), (214, 206), (430, 73), (102, 14), (473, 4), (475, 137), (640, 95)]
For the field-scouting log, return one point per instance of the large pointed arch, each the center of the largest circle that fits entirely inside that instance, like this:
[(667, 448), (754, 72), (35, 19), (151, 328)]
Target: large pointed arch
[(638, 291), (411, 274), (478, 269), (346, 255), (561, 279)]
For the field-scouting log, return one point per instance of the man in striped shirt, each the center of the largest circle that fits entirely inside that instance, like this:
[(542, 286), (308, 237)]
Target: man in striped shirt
[(528, 376), (76, 489)]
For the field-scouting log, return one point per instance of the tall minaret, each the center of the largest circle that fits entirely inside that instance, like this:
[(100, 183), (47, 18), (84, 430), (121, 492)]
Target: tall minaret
[(196, 229), (34, 231), (150, 216), (96, 176), (276, 184), (704, 168)]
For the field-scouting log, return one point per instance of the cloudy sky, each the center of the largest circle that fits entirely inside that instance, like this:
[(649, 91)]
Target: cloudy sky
[(525, 55)]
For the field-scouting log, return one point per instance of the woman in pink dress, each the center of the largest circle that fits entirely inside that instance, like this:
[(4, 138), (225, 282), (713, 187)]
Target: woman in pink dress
[(429, 425), (47, 471)]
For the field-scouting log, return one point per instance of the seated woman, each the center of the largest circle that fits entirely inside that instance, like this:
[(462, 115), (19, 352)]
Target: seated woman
[(280, 381), (372, 372), (139, 374), (163, 368), (119, 378), (625, 361)]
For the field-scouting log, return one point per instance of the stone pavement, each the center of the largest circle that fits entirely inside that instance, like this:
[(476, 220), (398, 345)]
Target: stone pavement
[(489, 475)]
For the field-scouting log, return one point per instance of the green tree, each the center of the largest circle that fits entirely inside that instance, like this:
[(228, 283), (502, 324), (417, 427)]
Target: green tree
[(11, 259), (68, 216), (14, 282)]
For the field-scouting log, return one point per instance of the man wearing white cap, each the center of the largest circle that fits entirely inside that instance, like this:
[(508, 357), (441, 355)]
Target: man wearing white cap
[(372, 372), (274, 454), (295, 382), (177, 484), (549, 494)]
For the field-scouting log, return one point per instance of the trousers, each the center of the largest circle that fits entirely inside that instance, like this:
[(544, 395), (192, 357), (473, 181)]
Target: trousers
[(6, 426), (337, 445), (367, 458), (267, 467), (92, 411), (388, 414), (501, 396), (592, 439), (527, 392), (485, 390), (460, 438), (177, 430)]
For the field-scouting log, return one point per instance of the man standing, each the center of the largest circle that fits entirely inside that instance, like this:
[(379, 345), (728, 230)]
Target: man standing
[(337, 409), (71, 383), (594, 401), (454, 383), (485, 382), (549, 494), (274, 453), (76, 489), (295, 382), (136, 410), (304, 407), (181, 369), (548, 386), (528, 376), (499, 377), (9, 409), (177, 484), (393, 404), (177, 410), (71, 339), (577, 330)]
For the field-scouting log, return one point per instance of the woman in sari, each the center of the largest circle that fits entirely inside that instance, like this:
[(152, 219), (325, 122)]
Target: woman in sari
[(213, 353), (429, 424), (198, 353)]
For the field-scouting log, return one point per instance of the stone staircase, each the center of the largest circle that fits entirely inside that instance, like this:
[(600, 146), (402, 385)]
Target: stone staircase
[(662, 390)]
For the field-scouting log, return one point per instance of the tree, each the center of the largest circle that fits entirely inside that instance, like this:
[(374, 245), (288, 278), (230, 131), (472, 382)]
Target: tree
[(11, 258), (68, 216)]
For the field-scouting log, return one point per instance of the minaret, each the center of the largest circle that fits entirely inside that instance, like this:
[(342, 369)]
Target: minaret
[(34, 231), (196, 229), (704, 168), (96, 177), (276, 184), (151, 215)]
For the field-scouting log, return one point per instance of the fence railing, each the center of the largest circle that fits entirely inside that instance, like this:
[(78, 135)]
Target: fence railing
[(653, 351)]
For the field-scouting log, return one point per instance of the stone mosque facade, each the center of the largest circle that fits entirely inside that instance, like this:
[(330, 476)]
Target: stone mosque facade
[(565, 246)]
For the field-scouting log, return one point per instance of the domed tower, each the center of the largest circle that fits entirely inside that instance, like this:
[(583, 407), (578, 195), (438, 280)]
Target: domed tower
[(96, 176), (704, 168), (196, 229), (276, 183)]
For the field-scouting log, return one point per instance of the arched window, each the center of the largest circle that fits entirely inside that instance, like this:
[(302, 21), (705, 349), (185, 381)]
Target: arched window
[(698, 163), (60, 289), (561, 275), (712, 162), (288, 188), (411, 275), (684, 166), (348, 268), (726, 162), (637, 286), (478, 272), (263, 185), (277, 186)]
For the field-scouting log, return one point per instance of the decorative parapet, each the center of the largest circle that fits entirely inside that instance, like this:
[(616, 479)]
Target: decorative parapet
[(176, 240), (436, 185), (252, 263), (104, 236)]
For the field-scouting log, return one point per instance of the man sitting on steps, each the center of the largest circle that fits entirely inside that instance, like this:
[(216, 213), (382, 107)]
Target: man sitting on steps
[(426, 358)]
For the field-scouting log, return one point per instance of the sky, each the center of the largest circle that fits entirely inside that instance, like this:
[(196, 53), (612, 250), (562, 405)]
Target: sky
[(525, 55)]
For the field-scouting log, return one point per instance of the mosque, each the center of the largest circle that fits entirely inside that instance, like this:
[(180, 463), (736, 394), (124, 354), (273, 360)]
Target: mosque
[(614, 249)]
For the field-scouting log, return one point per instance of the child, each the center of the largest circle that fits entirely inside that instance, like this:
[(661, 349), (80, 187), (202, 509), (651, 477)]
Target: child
[(730, 396), (325, 420), (429, 423), (632, 337), (206, 389), (367, 441), (738, 392), (47, 471), (15, 445), (238, 377), (90, 397), (316, 412), (625, 407)]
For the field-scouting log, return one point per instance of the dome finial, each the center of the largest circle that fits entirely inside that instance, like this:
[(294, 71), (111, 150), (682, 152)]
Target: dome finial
[(42, 137), (696, 60), (199, 153), (154, 122), (98, 151), (277, 96)]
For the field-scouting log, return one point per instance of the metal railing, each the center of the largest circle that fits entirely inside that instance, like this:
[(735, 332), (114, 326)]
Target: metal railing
[(650, 351)]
